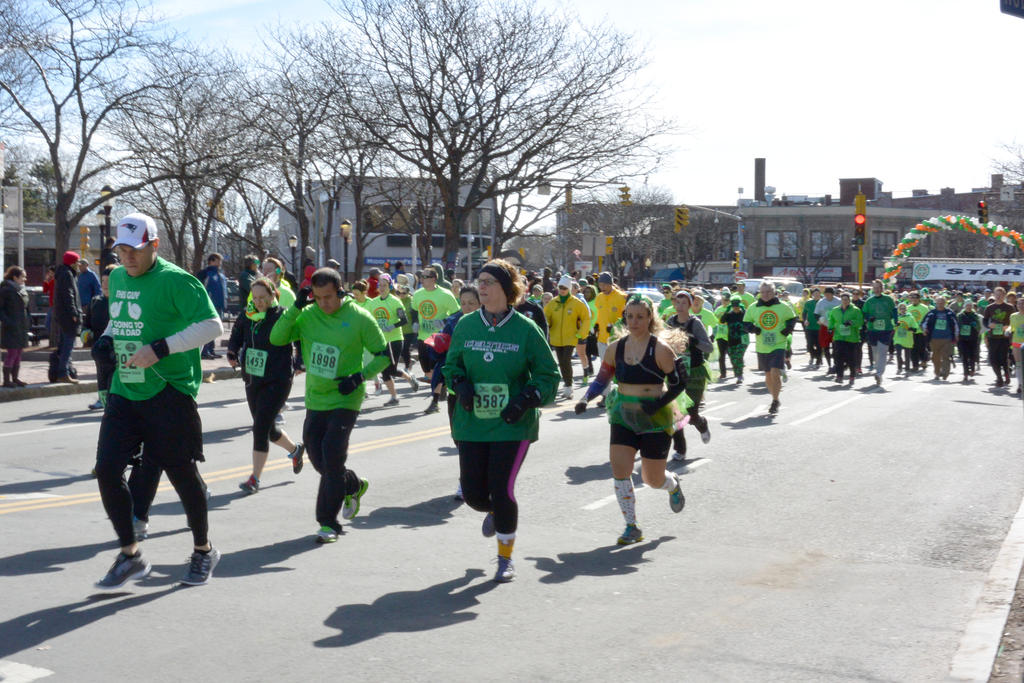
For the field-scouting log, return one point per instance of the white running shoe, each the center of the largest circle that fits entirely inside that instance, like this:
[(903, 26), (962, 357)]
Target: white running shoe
[(567, 392)]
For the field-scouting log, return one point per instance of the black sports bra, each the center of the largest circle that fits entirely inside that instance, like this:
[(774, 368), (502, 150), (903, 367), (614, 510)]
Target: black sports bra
[(644, 372)]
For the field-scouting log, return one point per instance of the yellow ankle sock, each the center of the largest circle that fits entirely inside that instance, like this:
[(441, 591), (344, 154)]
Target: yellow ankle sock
[(505, 548)]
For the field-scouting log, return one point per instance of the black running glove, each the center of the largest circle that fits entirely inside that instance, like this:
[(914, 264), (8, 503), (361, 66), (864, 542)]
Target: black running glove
[(517, 407), (103, 350), (346, 385), (304, 298), (464, 392), (580, 407)]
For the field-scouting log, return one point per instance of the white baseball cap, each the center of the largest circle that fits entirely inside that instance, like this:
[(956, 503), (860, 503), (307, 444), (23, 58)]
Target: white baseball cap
[(135, 230)]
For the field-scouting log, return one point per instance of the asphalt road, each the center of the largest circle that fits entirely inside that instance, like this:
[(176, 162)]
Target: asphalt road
[(847, 539)]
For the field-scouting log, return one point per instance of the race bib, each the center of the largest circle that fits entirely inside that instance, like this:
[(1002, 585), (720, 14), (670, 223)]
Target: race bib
[(965, 330), (879, 324), (255, 362), (940, 324), (770, 338), (489, 400), (124, 350), (323, 360), (722, 329), (845, 330), (902, 332), (997, 329)]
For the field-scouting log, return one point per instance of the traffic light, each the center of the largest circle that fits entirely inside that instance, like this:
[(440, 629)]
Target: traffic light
[(983, 211), (83, 244), (608, 245), (682, 218), (735, 260), (624, 196), (860, 218), (568, 198)]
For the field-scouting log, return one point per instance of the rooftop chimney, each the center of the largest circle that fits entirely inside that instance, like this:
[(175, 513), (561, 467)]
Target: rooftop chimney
[(759, 179)]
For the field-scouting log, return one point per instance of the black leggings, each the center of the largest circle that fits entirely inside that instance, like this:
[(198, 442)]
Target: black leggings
[(487, 472), (426, 359), (407, 343), (564, 356), (326, 434), (394, 351), (999, 354), (968, 354), (723, 353), (847, 355), (169, 426), (265, 401), (813, 345)]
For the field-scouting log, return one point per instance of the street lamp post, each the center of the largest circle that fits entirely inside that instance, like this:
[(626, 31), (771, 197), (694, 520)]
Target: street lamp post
[(293, 242), (106, 254), (346, 235)]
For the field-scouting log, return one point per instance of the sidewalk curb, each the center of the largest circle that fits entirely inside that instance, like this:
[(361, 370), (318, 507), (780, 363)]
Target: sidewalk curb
[(86, 387)]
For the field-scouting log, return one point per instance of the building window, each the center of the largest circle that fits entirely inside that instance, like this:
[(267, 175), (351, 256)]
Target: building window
[(780, 244), (825, 244), (882, 243), (727, 242)]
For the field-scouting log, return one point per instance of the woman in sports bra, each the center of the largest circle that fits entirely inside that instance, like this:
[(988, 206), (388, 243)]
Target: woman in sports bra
[(642, 413)]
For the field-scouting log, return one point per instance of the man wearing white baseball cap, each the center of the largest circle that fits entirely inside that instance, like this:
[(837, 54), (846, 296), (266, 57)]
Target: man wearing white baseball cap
[(160, 316)]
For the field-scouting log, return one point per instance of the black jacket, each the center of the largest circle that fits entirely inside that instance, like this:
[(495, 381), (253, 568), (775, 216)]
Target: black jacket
[(97, 315), (15, 322), (249, 335), (66, 308)]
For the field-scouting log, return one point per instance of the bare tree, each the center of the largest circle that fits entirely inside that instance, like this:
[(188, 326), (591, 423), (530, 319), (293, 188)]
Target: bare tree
[(68, 67), (488, 98), (293, 102), (196, 137)]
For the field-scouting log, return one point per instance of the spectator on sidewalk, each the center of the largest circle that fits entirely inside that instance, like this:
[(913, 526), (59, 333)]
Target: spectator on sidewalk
[(67, 311), (88, 283), (97, 315), (48, 283), (217, 287), (14, 323), (250, 272)]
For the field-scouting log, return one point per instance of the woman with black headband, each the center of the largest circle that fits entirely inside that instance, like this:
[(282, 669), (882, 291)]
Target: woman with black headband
[(642, 417), (501, 371)]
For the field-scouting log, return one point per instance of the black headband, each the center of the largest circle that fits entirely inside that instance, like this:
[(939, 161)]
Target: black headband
[(501, 276)]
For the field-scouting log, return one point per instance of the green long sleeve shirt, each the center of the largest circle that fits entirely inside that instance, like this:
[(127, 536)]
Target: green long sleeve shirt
[(332, 348)]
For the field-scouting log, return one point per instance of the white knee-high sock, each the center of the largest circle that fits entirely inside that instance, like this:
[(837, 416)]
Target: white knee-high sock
[(627, 499)]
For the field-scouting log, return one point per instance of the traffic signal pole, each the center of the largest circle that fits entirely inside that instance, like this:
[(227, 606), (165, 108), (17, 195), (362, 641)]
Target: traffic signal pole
[(860, 225)]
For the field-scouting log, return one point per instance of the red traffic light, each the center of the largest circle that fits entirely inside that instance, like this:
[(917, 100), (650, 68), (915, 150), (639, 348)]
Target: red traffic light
[(860, 219)]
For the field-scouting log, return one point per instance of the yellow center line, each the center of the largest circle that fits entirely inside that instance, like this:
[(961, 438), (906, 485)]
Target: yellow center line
[(222, 474)]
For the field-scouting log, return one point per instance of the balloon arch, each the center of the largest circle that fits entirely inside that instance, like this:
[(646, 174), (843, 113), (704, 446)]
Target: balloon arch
[(894, 263)]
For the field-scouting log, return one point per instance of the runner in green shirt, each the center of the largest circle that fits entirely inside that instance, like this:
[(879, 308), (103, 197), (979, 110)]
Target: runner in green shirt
[(334, 333), (879, 318), (500, 368), (771, 320), (846, 321), (903, 338), (388, 311), (919, 354), (431, 305), (160, 316)]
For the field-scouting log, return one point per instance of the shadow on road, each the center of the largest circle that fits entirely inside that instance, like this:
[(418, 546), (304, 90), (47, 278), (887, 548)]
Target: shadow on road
[(755, 421), (570, 414), (407, 611), (608, 561), (41, 485), (221, 500), (32, 629), (227, 434), (47, 560), (248, 562), (581, 475), (426, 513)]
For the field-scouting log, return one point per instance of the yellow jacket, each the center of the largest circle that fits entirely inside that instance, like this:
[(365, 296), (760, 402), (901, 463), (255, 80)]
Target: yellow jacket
[(568, 322), (609, 311)]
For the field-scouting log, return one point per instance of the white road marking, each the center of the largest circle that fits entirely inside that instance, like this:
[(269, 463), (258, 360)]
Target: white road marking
[(12, 672), (96, 422), (27, 496), (716, 407), (608, 499), (825, 411), (980, 641)]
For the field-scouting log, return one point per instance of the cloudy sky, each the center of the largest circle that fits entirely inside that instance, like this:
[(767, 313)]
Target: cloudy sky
[(917, 93)]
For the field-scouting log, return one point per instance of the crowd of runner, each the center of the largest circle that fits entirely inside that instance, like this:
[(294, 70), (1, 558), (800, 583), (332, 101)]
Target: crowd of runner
[(494, 352)]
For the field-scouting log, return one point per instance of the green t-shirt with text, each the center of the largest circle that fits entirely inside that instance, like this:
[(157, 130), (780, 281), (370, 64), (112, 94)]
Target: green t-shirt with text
[(771, 319), (433, 307), (385, 312), (157, 304)]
